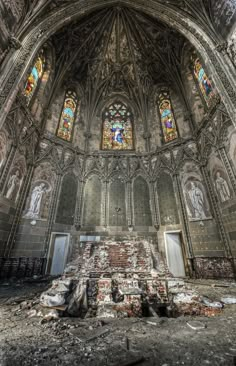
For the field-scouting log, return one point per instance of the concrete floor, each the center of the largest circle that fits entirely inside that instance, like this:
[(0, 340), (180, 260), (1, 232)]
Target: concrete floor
[(26, 340)]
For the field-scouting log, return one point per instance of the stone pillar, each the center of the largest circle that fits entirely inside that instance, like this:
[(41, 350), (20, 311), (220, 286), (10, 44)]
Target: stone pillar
[(79, 206), (7, 167), (147, 137), (154, 205), (129, 203), (87, 136), (217, 211), (104, 219), (19, 209)]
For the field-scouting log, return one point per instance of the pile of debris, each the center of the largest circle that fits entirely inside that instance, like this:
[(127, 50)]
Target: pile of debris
[(101, 287), (116, 279)]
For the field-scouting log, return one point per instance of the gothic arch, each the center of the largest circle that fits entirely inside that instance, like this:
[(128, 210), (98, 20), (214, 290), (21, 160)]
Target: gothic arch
[(92, 201), (142, 212), (117, 203), (117, 127), (167, 202), (46, 81), (67, 199), (204, 44)]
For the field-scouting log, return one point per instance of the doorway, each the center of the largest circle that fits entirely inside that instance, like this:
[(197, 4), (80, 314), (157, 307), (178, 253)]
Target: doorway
[(174, 253), (58, 253)]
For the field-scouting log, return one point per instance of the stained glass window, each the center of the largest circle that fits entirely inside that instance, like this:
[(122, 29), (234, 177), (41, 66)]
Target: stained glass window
[(66, 123), (34, 77), (203, 81), (117, 127), (168, 123)]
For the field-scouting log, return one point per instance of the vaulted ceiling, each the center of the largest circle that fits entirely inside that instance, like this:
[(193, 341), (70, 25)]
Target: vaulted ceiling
[(118, 50)]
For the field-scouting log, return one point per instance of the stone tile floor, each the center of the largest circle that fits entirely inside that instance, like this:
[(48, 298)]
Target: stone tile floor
[(163, 341)]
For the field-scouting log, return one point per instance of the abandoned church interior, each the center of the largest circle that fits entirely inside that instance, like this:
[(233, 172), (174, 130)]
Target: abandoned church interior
[(117, 182)]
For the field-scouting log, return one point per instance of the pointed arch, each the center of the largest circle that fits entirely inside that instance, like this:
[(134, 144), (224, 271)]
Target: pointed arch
[(168, 122), (67, 200), (35, 77), (34, 38), (117, 202), (168, 209), (67, 117), (92, 210), (203, 81), (117, 131), (141, 202)]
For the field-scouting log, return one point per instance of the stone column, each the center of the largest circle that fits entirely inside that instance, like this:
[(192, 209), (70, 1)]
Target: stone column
[(129, 203), (104, 219), (147, 137), (7, 167), (154, 205), (79, 206)]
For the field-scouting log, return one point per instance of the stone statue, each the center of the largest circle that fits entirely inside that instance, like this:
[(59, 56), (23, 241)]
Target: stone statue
[(197, 201), (13, 185), (222, 188), (35, 201)]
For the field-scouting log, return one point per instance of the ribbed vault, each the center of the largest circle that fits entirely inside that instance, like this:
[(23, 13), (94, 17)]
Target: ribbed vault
[(183, 17)]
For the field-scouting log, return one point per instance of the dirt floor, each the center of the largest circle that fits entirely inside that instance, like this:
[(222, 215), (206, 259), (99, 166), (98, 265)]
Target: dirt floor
[(28, 339)]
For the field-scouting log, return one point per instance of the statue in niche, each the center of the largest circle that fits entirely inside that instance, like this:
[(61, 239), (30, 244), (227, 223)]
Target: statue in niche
[(36, 200), (196, 199), (13, 186), (222, 188)]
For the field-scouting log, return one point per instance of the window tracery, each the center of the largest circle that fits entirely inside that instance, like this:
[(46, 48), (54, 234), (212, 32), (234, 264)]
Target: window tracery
[(168, 123), (203, 81), (67, 118), (34, 77), (117, 127)]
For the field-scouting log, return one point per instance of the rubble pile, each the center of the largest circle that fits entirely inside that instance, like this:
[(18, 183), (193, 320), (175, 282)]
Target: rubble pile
[(116, 279), (185, 300)]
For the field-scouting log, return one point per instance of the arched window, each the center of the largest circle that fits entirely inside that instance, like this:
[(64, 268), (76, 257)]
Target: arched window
[(35, 77), (203, 81), (67, 119), (168, 123), (117, 127)]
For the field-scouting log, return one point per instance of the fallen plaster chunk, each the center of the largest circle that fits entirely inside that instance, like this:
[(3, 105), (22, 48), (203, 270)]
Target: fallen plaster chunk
[(51, 315), (151, 323), (196, 325), (32, 313), (51, 300), (185, 297), (228, 300), (211, 304)]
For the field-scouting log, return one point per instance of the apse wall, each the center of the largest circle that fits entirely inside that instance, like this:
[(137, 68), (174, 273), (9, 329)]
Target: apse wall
[(177, 175)]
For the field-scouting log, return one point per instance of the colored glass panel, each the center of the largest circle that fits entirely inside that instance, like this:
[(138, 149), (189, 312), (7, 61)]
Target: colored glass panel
[(117, 128), (167, 118), (203, 81), (67, 119), (34, 78)]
